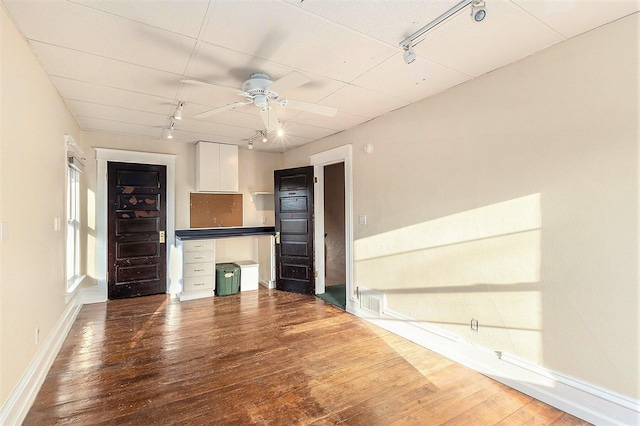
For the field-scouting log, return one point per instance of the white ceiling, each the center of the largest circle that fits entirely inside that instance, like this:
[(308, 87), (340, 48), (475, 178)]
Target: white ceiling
[(118, 63)]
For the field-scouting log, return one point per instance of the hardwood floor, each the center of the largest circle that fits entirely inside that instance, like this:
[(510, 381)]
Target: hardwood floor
[(261, 357)]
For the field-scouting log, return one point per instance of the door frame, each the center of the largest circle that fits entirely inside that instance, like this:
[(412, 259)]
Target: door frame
[(103, 156), (344, 155)]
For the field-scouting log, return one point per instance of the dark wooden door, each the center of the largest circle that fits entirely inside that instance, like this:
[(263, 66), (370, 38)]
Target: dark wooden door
[(137, 224), (293, 192)]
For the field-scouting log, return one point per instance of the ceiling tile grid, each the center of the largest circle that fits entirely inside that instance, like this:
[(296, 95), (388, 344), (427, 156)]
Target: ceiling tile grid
[(119, 64)]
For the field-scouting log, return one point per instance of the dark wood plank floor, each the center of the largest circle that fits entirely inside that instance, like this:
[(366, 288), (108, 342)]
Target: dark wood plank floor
[(261, 357)]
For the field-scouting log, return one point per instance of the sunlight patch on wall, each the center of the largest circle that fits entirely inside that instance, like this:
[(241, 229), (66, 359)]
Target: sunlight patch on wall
[(91, 209), (508, 217), (483, 263)]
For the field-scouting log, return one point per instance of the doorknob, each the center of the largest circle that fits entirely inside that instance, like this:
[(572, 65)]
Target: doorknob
[(278, 237)]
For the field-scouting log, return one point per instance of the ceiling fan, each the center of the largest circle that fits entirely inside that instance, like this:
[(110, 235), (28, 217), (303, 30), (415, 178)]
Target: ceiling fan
[(260, 91)]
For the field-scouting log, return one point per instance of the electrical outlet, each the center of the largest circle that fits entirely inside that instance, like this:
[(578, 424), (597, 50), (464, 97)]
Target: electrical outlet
[(474, 325), (362, 219)]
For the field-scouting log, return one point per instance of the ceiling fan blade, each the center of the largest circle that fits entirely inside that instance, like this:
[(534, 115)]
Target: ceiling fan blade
[(288, 82), (269, 119), (221, 109), (308, 107), (216, 86)]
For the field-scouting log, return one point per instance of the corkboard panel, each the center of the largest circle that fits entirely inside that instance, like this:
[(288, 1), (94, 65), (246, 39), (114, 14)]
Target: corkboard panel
[(215, 210)]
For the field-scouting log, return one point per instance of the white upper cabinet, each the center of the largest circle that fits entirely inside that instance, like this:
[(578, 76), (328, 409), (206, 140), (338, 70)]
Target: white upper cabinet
[(216, 167)]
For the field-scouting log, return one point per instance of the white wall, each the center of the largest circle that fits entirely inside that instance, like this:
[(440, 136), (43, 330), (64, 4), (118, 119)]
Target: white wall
[(513, 199), (32, 194)]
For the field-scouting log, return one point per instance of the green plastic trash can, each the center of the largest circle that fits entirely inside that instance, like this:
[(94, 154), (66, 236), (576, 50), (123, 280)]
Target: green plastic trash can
[(227, 279)]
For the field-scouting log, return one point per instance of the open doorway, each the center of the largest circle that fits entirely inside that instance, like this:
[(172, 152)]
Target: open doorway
[(334, 235), (341, 156)]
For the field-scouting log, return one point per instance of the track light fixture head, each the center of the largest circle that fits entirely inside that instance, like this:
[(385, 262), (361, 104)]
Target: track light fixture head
[(178, 114), (250, 145), (409, 55), (478, 11), (168, 132)]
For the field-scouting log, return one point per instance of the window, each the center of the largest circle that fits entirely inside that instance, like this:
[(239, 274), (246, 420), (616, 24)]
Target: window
[(73, 227)]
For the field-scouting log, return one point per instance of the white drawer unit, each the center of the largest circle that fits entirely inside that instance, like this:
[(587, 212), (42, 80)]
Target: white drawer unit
[(198, 245), (198, 283), (197, 258), (197, 269)]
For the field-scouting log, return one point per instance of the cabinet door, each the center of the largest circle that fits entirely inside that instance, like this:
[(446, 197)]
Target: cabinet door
[(229, 168), (208, 166)]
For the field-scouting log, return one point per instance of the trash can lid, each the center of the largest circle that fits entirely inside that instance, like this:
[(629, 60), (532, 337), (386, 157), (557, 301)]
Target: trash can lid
[(226, 266)]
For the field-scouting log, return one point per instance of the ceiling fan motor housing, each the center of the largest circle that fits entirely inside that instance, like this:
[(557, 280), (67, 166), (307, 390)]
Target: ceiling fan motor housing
[(256, 87)]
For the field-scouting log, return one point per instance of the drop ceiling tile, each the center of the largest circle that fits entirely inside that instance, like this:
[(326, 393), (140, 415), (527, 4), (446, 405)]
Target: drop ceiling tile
[(199, 126), (243, 117), (101, 125), (61, 62), (306, 131), (414, 82), (363, 102), (272, 30), (572, 17), (89, 92), (182, 17), (387, 21), (506, 35), (111, 113), (180, 135), (285, 142), (88, 30), (340, 121)]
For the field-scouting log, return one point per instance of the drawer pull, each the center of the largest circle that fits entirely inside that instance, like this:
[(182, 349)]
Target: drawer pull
[(199, 257), (198, 270), (197, 284), (199, 245)]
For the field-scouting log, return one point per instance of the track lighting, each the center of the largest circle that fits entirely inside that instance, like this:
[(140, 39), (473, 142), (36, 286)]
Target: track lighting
[(264, 136), (250, 145), (280, 132), (478, 13), (178, 114), (168, 132), (409, 55)]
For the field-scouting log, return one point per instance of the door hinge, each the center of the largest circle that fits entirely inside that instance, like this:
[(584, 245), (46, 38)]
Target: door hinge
[(161, 237), (315, 179), (315, 274), (277, 237)]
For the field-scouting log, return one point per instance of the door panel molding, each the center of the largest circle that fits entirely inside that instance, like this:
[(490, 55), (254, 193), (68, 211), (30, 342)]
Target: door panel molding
[(103, 156), (294, 203)]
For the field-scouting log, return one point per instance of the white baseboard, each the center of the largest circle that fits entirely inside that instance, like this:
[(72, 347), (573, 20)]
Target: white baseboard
[(584, 400), (15, 409)]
